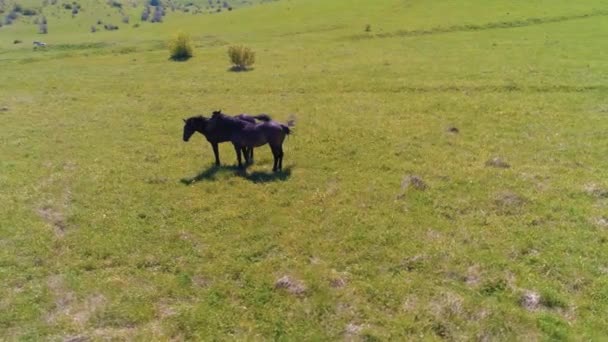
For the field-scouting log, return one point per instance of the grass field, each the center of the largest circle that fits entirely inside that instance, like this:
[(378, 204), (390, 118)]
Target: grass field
[(111, 227)]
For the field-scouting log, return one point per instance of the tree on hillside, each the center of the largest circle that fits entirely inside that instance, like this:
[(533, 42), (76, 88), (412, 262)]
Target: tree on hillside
[(146, 13), (12, 16), (159, 12)]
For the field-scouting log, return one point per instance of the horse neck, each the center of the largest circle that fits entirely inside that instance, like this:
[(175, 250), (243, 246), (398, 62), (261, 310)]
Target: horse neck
[(199, 125), (226, 123)]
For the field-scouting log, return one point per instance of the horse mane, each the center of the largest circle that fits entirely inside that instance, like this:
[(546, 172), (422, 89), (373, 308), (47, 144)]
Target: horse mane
[(263, 117), (197, 118), (226, 119), (198, 122)]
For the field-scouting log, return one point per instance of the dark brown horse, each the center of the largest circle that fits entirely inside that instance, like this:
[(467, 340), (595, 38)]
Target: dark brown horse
[(218, 134), (247, 135)]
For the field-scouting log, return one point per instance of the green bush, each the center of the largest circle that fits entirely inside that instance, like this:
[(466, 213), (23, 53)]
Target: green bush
[(241, 57), (180, 47)]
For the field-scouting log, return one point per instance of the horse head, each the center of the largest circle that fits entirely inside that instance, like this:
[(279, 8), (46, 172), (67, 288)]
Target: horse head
[(193, 124)]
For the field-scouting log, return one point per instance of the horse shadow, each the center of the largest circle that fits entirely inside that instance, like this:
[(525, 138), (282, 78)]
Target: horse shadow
[(211, 172), (265, 177)]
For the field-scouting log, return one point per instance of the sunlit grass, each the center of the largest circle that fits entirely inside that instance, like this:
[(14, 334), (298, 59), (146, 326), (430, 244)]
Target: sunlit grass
[(111, 226)]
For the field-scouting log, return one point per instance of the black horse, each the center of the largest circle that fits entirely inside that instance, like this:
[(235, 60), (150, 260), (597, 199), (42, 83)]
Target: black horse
[(219, 133), (247, 135)]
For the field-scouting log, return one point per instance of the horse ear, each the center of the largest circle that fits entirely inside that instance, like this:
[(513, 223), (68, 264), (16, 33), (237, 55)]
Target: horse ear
[(184, 120)]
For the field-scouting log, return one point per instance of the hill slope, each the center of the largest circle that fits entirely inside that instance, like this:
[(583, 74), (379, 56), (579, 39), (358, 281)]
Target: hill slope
[(112, 227)]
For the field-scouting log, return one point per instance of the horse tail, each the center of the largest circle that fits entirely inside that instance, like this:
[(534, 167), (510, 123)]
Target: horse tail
[(286, 129), (263, 117), (291, 122)]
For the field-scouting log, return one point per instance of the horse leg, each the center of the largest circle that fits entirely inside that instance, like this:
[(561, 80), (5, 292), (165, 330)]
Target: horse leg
[(217, 154), (280, 157), (245, 151), (238, 155), (251, 155), (275, 154)]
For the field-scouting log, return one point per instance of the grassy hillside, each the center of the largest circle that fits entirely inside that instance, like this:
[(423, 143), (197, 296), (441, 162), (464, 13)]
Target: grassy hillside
[(112, 227)]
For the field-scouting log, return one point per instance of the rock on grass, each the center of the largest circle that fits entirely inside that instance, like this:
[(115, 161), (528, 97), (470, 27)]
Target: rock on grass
[(453, 129), (530, 300), (338, 282), (596, 191), (353, 329), (472, 277), (291, 285), (413, 181), (509, 203), (508, 199), (55, 218), (498, 162), (601, 222)]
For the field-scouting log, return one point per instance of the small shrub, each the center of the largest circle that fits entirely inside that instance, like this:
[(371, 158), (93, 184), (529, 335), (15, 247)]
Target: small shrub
[(368, 28), (552, 299), (494, 286), (241, 57), (43, 29), (125, 19), (180, 47), (12, 16), (158, 14), (29, 12), (93, 29), (145, 14)]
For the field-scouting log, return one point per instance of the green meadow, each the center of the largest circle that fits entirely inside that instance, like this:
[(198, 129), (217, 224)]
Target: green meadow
[(447, 178)]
